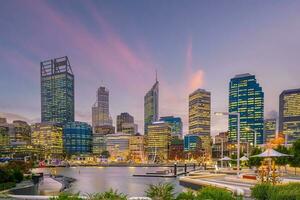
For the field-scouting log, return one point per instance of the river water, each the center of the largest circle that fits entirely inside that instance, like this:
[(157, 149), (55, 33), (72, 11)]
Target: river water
[(100, 179)]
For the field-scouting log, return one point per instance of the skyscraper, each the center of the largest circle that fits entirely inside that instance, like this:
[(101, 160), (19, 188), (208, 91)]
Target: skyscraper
[(100, 110), (123, 118), (200, 112), (289, 114), (247, 98), (175, 123), (151, 106), (269, 129), (57, 91)]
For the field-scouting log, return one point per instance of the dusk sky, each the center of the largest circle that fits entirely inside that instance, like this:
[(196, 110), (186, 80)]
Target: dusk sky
[(120, 44)]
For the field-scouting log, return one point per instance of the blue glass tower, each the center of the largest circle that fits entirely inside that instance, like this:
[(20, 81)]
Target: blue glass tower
[(247, 98), (175, 123), (77, 138)]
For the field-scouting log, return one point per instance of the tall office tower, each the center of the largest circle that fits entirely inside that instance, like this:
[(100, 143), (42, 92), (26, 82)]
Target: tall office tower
[(123, 118), (199, 112), (158, 141), (151, 106), (247, 98), (175, 123), (57, 91), (77, 138), (269, 129), (100, 110), (289, 114), (21, 132)]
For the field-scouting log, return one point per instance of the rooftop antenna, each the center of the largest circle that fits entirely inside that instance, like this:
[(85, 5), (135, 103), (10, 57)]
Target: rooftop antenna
[(156, 75)]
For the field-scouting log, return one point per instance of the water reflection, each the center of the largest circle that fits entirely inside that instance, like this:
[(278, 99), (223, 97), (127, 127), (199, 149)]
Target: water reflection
[(99, 179)]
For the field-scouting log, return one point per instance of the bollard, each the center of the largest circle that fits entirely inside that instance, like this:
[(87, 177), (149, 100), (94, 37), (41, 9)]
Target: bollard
[(175, 169), (194, 166), (185, 168)]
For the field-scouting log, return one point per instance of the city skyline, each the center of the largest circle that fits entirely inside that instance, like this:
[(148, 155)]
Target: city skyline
[(197, 56)]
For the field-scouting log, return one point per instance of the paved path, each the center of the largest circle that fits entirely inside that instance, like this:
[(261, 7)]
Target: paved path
[(49, 186)]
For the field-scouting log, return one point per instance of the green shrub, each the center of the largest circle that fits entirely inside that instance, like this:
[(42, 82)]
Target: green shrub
[(18, 175), (214, 193), (189, 195), (162, 191), (265, 191), (111, 194), (261, 191), (66, 196), (8, 185)]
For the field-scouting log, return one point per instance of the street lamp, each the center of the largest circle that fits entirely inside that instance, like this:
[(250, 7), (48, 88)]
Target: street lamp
[(255, 134), (238, 135)]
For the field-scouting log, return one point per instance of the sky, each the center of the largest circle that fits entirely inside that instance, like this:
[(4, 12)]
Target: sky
[(119, 44)]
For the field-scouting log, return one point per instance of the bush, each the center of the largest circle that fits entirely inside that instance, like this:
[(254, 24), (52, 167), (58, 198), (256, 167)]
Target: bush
[(66, 196), (214, 193), (18, 175), (189, 195), (111, 194), (161, 191), (265, 191), (8, 185)]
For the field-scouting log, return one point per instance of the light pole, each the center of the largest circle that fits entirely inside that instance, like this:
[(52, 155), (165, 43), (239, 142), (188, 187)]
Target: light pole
[(238, 135), (255, 135), (222, 152)]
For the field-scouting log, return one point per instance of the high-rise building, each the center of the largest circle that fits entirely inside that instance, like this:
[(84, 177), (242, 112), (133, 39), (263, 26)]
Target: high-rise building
[(289, 114), (151, 106), (123, 118), (193, 146), (158, 141), (57, 91), (137, 148), (118, 146), (129, 128), (176, 150), (99, 138), (200, 112), (100, 110), (21, 132), (48, 139), (77, 138), (247, 98), (269, 129), (175, 123)]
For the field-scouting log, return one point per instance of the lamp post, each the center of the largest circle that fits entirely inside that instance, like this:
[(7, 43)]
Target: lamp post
[(255, 135), (238, 135)]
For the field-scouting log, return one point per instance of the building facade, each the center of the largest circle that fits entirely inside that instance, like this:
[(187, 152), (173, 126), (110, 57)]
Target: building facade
[(176, 150), (158, 141), (193, 146), (100, 110), (247, 98), (129, 128), (269, 129), (176, 125), (137, 148), (48, 139), (123, 118), (77, 138), (289, 114), (118, 146), (57, 91), (99, 138), (151, 106)]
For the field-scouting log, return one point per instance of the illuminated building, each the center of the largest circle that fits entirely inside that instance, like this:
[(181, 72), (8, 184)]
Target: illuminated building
[(247, 98), (118, 146), (129, 128), (220, 140), (123, 118), (151, 106), (175, 123), (193, 146), (77, 138), (48, 139), (200, 117), (176, 150), (158, 141), (269, 129), (57, 91), (137, 148), (21, 132), (289, 114), (4, 136), (99, 138), (100, 110)]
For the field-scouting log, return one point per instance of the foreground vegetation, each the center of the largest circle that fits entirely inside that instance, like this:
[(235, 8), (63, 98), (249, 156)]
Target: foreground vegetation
[(158, 192), (12, 173), (264, 191)]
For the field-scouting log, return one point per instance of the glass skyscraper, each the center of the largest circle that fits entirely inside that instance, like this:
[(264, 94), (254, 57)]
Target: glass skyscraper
[(77, 138), (151, 106), (175, 123), (247, 98), (57, 91), (123, 118), (289, 114), (100, 110), (269, 129)]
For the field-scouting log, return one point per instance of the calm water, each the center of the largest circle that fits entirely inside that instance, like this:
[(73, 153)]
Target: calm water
[(99, 179)]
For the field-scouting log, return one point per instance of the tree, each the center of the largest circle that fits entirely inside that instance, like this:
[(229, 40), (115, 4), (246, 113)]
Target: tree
[(255, 161), (105, 154), (282, 161), (295, 161)]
